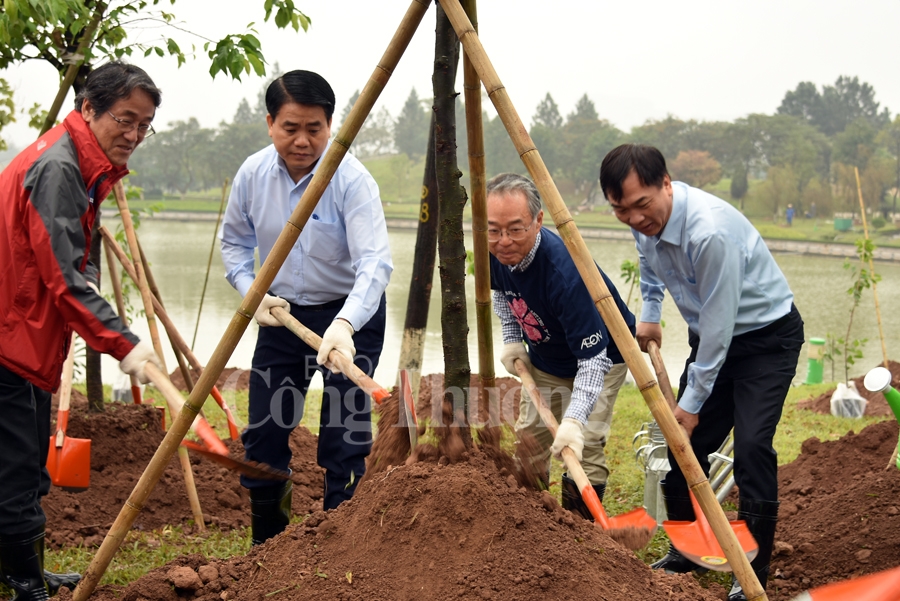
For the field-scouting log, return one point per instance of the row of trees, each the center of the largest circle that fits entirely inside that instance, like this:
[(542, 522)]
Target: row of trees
[(802, 154)]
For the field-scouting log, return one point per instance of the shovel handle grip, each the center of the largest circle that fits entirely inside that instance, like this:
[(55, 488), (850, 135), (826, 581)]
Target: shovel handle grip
[(573, 466), (368, 385), (662, 376)]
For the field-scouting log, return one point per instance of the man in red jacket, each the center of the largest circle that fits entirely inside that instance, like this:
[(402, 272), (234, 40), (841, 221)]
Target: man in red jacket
[(50, 195)]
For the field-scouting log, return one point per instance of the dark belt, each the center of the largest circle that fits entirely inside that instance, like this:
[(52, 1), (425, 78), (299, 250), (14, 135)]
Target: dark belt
[(335, 304)]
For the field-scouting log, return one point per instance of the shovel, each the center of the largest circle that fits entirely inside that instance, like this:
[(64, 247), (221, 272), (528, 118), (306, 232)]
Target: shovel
[(633, 529), (408, 409), (883, 586), (69, 459), (695, 540)]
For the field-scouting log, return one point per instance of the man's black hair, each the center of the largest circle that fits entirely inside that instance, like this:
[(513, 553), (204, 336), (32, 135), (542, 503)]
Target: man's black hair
[(647, 162), (112, 82), (302, 87)]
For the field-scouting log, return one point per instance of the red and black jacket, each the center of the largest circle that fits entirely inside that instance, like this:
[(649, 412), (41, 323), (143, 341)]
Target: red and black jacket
[(50, 195)]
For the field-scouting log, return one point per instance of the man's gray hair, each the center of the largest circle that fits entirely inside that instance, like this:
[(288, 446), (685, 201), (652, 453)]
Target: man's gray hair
[(511, 182)]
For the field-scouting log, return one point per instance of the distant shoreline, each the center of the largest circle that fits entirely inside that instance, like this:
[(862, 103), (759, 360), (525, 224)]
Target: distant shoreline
[(823, 249)]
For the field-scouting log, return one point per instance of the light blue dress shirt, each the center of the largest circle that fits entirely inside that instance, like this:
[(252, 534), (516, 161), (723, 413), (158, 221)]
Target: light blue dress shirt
[(720, 274), (342, 251)]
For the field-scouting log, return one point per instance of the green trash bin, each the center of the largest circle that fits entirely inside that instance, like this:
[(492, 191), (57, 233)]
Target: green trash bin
[(815, 363), (842, 224)]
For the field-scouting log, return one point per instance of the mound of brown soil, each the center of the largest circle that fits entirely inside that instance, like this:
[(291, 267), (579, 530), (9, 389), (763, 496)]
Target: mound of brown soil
[(840, 512), (123, 439), (429, 531), (231, 378), (877, 404)]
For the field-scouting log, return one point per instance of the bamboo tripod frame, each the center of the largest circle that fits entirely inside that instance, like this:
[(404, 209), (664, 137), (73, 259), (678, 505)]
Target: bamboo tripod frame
[(475, 133), (862, 211), (673, 432), (474, 53), (241, 319), (147, 297)]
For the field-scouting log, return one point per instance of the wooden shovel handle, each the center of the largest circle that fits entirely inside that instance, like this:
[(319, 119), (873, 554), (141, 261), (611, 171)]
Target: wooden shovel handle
[(367, 384), (661, 375), (573, 466), (65, 394)]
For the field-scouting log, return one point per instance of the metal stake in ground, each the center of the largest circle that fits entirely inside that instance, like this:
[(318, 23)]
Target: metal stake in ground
[(326, 169), (141, 281), (583, 260)]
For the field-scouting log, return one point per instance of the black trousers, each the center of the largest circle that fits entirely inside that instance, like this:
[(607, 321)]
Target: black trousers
[(283, 366), (24, 444), (749, 396)]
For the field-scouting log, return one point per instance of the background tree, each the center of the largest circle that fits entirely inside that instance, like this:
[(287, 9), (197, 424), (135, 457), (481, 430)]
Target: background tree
[(547, 114), (890, 139), (545, 132), (60, 33), (411, 128), (832, 110), (695, 168)]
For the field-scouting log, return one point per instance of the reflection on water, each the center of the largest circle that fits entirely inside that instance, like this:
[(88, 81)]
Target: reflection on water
[(178, 252)]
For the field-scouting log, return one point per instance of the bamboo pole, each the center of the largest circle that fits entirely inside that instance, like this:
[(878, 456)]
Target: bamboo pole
[(674, 434), (212, 249), (123, 314), (475, 132), (327, 167), (203, 430), (862, 210), (154, 290), (147, 297)]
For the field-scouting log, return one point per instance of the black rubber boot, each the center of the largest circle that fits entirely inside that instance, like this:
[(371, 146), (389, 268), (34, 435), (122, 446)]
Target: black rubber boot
[(677, 508), (22, 565), (761, 518), (57, 581), (270, 511), (571, 497)]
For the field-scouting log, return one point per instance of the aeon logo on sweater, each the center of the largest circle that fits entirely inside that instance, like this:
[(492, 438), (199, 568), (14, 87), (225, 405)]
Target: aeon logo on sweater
[(592, 340)]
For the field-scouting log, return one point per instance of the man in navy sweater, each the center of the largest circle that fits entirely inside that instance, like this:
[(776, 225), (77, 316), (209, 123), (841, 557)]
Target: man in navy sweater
[(543, 303)]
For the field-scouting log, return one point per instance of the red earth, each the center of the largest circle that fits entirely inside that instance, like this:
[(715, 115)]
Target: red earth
[(877, 405), (465, 529)]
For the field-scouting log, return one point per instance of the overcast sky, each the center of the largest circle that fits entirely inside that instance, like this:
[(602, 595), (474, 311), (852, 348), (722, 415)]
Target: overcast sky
[(638, 60)]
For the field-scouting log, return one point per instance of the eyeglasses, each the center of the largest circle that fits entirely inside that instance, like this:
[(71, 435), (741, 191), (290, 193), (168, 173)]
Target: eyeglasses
[(125, 126), (516, 233)]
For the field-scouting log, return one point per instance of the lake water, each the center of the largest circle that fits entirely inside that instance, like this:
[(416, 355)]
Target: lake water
[(178, 251)]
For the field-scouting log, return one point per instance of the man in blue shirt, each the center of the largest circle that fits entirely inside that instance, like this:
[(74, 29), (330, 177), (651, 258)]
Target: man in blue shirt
[(542, 301), (745, 333), (333, 282)]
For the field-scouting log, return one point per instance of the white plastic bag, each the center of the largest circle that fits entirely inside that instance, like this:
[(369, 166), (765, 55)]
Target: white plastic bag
[(121, 391), (846, 401)]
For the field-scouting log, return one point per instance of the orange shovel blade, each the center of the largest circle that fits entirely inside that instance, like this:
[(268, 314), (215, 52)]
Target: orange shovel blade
[(70, 464), (883, 586), (696, 541), (636, 518), (260, 471)]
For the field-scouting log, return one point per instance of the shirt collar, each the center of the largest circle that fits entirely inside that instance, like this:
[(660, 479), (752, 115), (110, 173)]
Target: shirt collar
[(672, 233), (524, 263)]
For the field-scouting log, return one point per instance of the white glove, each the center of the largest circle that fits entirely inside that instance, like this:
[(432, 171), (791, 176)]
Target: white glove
[(338, 337), (263, 317), (512, 351), (134, 362), (569, 434)]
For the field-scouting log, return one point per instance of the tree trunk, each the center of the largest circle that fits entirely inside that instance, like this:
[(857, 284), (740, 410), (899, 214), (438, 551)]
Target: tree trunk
[(419, 300), (93, 373), (451, 242)]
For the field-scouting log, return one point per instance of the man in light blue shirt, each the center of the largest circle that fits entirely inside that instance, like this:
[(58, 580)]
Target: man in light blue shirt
[(744, 332), (332, 281)]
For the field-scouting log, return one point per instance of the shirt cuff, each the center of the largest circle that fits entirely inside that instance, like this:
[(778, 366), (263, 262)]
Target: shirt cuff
[(651, 311), (243, 284), (691, 401)]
